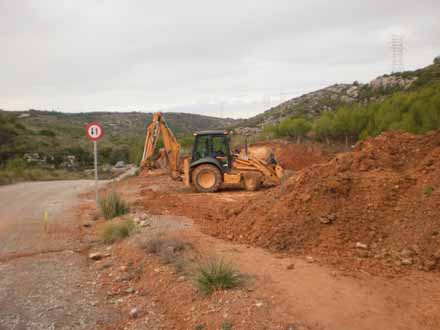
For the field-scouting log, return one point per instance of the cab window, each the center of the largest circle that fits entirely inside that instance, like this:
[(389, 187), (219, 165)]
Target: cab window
[(219, 146)]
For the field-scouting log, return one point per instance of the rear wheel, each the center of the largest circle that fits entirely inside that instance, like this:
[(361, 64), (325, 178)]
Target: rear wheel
[(206, 178)]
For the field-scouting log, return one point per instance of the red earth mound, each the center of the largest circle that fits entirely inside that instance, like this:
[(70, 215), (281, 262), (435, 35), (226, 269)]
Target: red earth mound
[(379, 203), (291, 156)]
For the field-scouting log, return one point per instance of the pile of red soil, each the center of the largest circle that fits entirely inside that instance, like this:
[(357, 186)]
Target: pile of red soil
[(378, 203), (291, 156)]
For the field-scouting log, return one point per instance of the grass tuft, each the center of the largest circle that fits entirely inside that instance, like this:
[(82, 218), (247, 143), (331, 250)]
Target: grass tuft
[(116, 231), (226, 325), (169, 251), (216, 275), (428, 191), (112, 205)]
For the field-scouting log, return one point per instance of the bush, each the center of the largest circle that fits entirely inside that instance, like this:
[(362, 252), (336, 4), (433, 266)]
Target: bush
[(47, 132), (428, 191), (168, 250), (216, 275), (294, 127), (112, 205), (114, 232), (226, 325)]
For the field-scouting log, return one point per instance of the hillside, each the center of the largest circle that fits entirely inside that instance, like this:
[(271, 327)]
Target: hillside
[(53, 136), (331, 98)]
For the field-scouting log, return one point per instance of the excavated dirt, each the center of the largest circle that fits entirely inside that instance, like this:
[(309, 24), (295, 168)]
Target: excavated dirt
[(291, 156), (340, 230), (378, 205)]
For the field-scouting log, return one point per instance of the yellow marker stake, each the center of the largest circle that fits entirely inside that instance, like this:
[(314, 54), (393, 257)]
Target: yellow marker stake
[(46, 218)]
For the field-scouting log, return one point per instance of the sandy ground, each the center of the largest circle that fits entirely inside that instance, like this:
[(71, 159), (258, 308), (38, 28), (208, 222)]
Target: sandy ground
[(46, 282)]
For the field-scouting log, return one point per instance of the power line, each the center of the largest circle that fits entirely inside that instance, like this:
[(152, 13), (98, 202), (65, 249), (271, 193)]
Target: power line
[(397, 53)]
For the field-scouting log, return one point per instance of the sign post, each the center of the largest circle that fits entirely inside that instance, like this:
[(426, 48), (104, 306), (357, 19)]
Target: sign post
[(95, 132)]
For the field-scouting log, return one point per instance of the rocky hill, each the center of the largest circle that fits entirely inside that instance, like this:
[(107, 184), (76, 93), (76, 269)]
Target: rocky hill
[(331, 98)]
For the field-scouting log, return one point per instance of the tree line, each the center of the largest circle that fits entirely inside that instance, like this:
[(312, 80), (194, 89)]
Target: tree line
[(416, 112)]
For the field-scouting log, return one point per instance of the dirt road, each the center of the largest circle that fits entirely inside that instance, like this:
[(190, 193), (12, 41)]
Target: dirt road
[(45, 280)]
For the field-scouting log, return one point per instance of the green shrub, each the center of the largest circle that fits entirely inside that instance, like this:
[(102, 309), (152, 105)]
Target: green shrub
[(216, 275), (112, 205), (428, 191), (294, 127), (226, 325), (47, 132), (114, 232)]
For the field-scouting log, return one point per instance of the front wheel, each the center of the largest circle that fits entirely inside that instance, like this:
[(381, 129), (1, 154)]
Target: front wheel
[(207, 178)]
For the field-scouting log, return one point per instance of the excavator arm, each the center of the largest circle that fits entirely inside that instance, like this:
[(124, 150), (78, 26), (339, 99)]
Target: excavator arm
[(158, 128)]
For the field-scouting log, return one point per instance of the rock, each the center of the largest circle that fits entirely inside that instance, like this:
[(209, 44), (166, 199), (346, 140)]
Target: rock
[(181, 279), (430, 265), (290, 267), (130, 290), (437, 60), (134, 313), (106, 265), (310, 259), (259, 304), (360, 245), (87, 224), (407, 253), (406, 261), (144, 224), (95, 256)]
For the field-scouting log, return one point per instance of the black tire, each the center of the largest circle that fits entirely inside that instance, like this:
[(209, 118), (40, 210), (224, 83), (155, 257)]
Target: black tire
[(206, 178)]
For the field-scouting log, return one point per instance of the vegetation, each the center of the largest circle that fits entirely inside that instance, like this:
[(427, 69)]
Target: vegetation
[(294, 127), (17, 170), (416, 112), (55, 135), (428, 191), (113, 232), (169, 251), (112, 205), (226, 325), (216, 275)]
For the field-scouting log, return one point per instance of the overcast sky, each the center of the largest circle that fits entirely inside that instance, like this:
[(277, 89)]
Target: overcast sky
[(226, 57)]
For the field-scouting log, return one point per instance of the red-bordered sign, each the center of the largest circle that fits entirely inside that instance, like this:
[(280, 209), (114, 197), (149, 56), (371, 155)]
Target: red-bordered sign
[(94, 131)]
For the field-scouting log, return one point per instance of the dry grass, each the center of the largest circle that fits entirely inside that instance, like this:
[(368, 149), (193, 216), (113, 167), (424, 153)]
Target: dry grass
[(112, 205), (170, 251), (113, 232)]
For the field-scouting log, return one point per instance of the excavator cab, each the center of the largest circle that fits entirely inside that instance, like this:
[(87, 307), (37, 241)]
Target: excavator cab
[(212, 147), (211, 160)]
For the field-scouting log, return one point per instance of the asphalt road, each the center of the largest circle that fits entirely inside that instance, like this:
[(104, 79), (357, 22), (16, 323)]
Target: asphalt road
[(45, 282)]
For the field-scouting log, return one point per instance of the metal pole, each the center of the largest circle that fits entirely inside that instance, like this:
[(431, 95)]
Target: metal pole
[(95, 152)]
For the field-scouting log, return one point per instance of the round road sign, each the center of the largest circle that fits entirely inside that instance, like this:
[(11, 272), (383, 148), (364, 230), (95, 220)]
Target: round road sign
[(94, 131)]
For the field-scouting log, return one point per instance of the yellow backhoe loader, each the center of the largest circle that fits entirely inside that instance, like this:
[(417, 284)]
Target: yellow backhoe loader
[(211, 164)]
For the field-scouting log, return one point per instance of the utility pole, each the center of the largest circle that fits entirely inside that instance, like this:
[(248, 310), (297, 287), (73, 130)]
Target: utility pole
[(397, 53)]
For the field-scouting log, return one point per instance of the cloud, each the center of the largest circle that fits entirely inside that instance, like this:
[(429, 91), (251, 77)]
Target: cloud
[(147, 55)]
